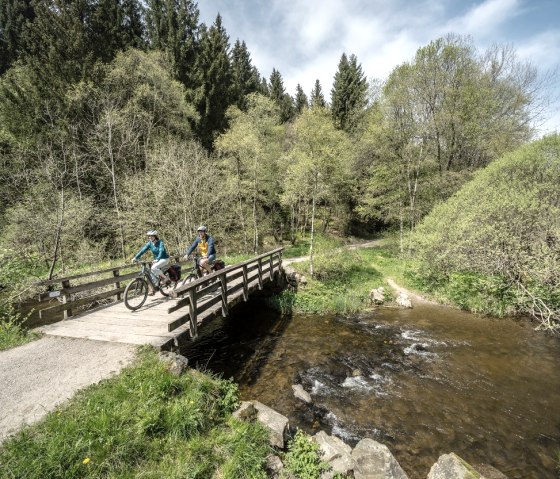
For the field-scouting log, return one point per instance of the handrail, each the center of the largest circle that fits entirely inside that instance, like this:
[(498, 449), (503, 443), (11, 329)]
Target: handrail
[(68, 290)]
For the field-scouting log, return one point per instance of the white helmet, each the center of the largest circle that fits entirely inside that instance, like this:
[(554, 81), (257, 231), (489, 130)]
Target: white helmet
[(151, 233), (202, 228)]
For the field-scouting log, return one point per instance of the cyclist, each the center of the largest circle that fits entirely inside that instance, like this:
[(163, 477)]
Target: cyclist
[(206, 248), (161, 258)]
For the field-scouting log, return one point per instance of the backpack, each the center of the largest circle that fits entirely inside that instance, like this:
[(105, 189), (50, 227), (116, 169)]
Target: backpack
[(218, 265), (174, 272)]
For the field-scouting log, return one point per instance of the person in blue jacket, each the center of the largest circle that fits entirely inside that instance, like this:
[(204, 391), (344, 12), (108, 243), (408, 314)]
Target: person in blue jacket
[(206, 248), (161, 258)]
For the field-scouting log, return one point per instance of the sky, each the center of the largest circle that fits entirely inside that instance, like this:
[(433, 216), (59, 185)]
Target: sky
[(304, 39)]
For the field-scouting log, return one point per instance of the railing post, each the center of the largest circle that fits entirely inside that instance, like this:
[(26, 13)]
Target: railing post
[(193, 318), (270, 272), (260, 273), (245, 283), (116, 274), (223, 281), (66, 298)]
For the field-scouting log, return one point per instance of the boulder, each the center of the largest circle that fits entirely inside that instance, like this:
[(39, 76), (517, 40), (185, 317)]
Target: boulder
[(336, 453), (177, 364), (272, 420), (451, 466), (377, 296), (373, 460), (274, 466), (301, 393), (404, 301)]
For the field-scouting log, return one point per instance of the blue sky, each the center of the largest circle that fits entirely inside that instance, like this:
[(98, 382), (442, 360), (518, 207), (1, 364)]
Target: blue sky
[(304, 39)]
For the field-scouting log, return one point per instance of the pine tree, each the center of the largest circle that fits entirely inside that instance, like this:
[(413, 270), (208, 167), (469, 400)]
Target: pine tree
[(214, 75), (116, 26), (317, 97), (301, 99), (172, 26), (278, 94), (13, 16), (246, 78), (349, 94)]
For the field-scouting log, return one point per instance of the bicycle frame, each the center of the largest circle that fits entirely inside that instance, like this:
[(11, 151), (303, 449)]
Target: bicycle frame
[(146, 272)]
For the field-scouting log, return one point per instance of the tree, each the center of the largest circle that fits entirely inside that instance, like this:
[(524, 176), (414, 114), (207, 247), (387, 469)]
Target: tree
[(278, 94), (250, 150), (501, 232), (172, 26), (317, 169), (214, 77), (246, 78), (301, 99), (317, 97), (349, 94), (14, 14)]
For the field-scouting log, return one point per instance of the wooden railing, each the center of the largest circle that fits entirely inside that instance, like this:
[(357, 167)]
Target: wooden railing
[(234, 284), (75, 291)]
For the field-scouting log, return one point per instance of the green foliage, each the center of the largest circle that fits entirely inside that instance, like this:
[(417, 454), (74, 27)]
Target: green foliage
[(145, 422), (12, 332), (349, 94), (499, 236), (303, 458), (342, 282)]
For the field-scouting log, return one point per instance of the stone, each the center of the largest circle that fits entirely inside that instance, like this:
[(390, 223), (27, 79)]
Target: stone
[(301, 393), (276, 424), (177, 364), (377, 296), (336, 453), (487, 471), (274, 466), (373, 460), (451, 466), (404, 301)]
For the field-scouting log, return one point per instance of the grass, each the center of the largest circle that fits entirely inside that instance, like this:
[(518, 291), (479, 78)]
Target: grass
[(12, 331), (143, 423), (342, 283)]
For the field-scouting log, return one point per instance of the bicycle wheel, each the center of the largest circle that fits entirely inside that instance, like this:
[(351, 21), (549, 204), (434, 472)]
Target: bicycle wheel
[(189, 279), (167, 289), (135, 294)]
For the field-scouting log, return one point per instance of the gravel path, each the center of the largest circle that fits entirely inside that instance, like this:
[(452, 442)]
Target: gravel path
[(38, 376)]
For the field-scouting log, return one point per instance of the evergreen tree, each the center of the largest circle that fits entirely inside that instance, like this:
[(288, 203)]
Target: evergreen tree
[(116, 26), (301, 99), (172, 26), (317, 97), (13, 16), (214, 75), (278, 94), (245, 76), (349, 94)]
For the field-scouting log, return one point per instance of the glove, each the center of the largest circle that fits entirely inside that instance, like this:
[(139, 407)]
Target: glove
[(133, 260)]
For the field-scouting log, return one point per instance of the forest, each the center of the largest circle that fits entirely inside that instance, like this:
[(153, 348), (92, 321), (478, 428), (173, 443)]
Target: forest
[(119, 116)]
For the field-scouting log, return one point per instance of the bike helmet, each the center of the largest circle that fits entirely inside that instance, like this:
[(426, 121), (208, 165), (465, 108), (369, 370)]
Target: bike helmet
[(202, 228), (151, 233)]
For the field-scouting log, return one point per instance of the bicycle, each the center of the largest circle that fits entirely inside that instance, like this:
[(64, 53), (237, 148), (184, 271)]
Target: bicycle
[(136, 292), (196, 271)]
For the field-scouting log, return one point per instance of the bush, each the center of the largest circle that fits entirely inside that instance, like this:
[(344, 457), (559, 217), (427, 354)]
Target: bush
[(303, 458)]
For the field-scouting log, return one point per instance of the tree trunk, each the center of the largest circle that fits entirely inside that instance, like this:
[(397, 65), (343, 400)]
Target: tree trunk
[(312, 228)]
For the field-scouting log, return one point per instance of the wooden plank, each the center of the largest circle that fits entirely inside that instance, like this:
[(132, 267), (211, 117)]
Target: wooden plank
[(48, 282)]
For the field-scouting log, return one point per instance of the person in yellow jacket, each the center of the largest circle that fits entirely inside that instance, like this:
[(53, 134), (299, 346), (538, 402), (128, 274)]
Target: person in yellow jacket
[(206, 248)]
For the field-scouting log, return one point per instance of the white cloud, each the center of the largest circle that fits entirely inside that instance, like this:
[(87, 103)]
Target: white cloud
[(485, 19)]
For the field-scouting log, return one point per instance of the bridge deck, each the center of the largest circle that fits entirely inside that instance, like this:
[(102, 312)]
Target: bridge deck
[(164, 322)]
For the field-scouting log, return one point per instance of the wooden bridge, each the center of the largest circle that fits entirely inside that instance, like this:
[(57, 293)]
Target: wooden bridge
[(161, 322)]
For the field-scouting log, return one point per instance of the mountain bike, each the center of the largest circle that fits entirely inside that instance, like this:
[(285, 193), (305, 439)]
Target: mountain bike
[(136, 292)]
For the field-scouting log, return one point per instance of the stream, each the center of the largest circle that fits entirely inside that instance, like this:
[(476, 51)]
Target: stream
[(424, 381)]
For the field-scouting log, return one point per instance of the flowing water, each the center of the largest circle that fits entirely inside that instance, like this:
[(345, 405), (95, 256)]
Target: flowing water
[(425, 382)]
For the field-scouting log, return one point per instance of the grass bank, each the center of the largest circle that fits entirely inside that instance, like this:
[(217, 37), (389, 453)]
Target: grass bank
[(143, 423)]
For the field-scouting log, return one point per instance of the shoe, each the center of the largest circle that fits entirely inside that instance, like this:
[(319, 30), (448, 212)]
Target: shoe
[(151, 292)]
